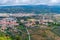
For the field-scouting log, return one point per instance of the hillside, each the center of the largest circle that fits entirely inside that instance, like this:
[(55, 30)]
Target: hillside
[(30, 8)]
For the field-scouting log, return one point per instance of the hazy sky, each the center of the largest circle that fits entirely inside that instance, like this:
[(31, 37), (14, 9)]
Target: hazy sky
[(29, 2)]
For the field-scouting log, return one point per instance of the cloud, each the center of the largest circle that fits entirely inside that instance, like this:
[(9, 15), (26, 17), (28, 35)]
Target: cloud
[(53, 1), (3, 1), (29, 2)]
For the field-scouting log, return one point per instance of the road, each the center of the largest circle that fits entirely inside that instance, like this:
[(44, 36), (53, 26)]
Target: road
[(28, 33)]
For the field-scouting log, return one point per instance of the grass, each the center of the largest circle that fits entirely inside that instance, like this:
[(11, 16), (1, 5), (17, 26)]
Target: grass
[(5, 38)]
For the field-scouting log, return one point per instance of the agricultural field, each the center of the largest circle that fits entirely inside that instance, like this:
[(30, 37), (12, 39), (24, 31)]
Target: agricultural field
[(56, 30)]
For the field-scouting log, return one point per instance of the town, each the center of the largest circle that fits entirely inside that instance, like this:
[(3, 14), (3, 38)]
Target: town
[(29, 26)]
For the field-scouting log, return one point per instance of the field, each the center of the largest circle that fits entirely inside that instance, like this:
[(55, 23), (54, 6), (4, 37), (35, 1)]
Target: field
[(56, 30)]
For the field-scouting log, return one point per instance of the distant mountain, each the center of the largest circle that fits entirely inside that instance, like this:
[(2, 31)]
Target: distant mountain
[(30, 8)]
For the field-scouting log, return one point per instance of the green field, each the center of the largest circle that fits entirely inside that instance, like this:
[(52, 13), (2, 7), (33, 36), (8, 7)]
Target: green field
[(56, 30)]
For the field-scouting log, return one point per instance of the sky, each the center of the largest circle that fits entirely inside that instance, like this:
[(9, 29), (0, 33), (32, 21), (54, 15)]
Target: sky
[(29, 2)]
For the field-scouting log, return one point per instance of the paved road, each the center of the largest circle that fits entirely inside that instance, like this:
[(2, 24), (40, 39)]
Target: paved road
[(28, 33)]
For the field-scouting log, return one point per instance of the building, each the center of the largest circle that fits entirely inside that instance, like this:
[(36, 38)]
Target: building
[(8, 22)]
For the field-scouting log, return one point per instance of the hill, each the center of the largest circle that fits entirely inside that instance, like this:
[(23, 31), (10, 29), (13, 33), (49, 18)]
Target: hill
[(29, 9)]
